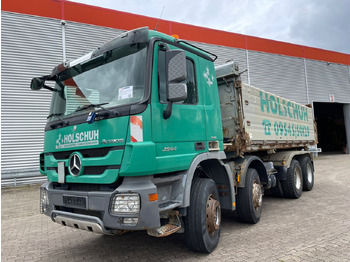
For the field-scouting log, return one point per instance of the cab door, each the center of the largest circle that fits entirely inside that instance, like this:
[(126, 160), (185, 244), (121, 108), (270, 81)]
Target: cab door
[(181, 137)]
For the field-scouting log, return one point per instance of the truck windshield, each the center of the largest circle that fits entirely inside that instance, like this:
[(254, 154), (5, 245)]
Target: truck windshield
[(115, 78)]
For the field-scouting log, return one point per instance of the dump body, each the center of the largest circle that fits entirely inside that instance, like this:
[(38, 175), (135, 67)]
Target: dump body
[(255, 120)]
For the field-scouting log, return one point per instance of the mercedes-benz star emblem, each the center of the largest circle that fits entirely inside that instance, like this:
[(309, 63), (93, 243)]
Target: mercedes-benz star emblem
[(75, 167)]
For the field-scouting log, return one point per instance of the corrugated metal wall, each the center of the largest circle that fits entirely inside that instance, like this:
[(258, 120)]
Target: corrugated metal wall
[(281, 75), (32, 46), (83, 38), (328, 78)]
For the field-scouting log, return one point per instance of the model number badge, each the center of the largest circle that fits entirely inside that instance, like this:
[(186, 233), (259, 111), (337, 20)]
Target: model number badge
[(112, 141), (168, 149)]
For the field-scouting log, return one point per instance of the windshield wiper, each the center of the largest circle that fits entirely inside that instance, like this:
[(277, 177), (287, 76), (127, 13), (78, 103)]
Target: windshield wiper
[(63, 122), (90, 106), (98, 106)]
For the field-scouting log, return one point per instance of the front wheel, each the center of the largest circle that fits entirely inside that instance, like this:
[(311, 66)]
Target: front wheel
[(249, 198), (203, 220)]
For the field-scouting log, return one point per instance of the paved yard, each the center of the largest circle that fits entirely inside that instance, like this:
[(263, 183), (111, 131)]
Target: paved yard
[(315, 227)]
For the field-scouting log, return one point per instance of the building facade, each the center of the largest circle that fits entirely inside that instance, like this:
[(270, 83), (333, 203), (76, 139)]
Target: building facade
[(37, 35)]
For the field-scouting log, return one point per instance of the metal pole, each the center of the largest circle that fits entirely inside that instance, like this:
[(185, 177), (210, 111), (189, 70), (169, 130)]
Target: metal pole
[(63, 28)]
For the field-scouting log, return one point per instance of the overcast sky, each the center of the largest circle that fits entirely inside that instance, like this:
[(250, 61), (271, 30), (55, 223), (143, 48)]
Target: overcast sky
[(317, 23)]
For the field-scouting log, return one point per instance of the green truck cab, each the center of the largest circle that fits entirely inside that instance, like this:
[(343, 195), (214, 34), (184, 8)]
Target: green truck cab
[(136, 140)]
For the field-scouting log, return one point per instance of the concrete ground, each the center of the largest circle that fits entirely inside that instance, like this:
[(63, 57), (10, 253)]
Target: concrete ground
[(315, 227)]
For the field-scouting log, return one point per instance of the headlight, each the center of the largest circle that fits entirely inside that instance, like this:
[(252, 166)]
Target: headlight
[(126, 203), (44, 200)]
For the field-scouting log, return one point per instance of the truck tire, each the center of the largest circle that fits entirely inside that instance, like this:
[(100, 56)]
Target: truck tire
[(293, 185), (249, 198), (308, 173), (203, 220)]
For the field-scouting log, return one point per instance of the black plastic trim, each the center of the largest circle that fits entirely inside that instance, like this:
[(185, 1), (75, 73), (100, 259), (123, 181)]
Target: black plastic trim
[(281, 173), (139, 35), (199, 146), (87, 153), (186, 48), (212, 59), (90, 170)]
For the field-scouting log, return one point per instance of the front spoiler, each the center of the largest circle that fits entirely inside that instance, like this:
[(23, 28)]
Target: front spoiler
[(84, 222)]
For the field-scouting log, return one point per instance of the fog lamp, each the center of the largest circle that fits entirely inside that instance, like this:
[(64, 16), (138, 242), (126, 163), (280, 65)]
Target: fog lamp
[(130, 221)]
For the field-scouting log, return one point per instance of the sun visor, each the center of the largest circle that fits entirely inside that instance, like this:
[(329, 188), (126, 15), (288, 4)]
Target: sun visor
[(139, 35)]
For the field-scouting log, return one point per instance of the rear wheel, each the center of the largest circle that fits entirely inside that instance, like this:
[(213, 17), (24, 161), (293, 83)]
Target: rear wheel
[(293, 185), (308, 173), (249, 198), (203, 220)]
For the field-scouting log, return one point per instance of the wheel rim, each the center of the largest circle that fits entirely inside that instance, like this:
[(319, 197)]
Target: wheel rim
[(257, 195), (309, 174), (297, 175), (213, 214)]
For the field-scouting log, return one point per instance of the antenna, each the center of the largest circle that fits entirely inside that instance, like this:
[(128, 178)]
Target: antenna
[(155, 29)]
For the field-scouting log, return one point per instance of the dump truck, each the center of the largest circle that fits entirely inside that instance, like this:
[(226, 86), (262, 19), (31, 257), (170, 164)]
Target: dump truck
[(145, 133)]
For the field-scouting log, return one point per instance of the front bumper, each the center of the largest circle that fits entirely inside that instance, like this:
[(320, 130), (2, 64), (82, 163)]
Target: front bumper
[(90, 210)]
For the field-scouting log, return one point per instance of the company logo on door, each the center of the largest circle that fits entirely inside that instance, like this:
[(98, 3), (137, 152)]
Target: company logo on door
[(86, 138)]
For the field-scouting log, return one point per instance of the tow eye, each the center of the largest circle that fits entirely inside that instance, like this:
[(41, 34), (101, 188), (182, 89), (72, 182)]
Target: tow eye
[(173, 226)]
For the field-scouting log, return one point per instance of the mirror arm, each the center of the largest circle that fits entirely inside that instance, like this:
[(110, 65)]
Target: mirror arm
[(168, 110), (50, 88)]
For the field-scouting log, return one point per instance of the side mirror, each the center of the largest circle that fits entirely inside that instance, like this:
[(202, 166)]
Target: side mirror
[(176, 65), (37, 83), (176, 73), (176, 92)]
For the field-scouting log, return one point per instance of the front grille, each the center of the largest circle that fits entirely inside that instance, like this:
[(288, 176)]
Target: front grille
[(86, 187), (96, 170), (89, 170), (96, 152)]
